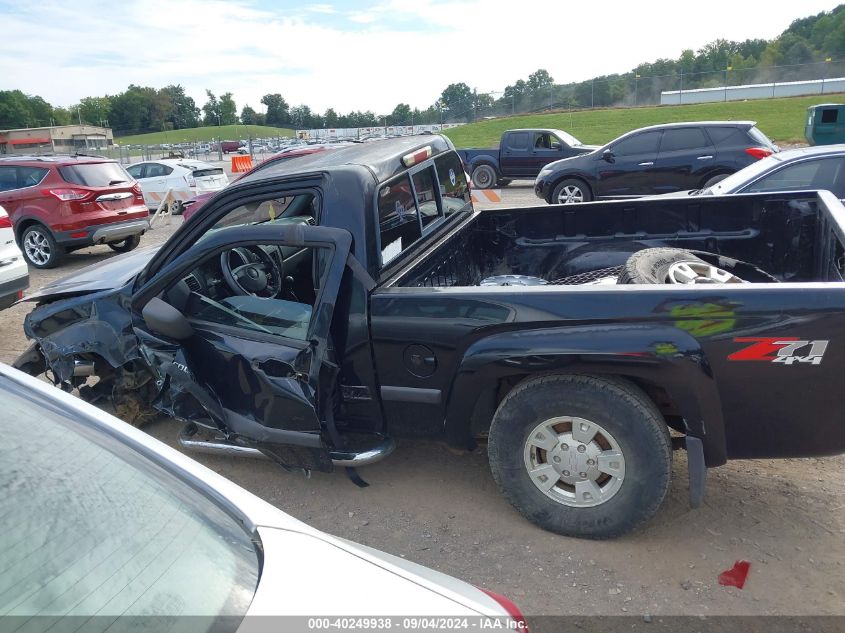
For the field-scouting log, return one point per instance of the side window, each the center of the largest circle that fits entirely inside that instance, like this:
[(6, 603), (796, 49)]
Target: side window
[(720, 134), (454, 191), (643, 143), (264, 288), (135, 171), (30, 176), (825, 173), (545, 140), (8, 178), (687, 138), (426, 195), (517, 140), (155, 170), (399, 224), (830, 116)]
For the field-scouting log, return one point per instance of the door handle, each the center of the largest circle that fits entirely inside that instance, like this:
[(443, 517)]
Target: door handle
[(648, 164), (704, 157)]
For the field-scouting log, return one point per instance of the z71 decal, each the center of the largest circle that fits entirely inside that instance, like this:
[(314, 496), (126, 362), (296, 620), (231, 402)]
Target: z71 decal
[(784, 349)]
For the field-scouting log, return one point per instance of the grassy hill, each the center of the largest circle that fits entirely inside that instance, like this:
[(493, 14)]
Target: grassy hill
[(782, 120), (205, 134)]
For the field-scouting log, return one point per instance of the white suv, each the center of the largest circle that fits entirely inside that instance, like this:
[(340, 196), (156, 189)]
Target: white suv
[(14, 275)]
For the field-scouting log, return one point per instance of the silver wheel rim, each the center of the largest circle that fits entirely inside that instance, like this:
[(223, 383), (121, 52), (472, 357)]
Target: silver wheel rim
[(696, 272), (574, 461), (570, 194), (37, 247)]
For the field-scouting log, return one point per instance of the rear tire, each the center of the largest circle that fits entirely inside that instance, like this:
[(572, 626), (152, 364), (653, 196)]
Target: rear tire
[(571, 191), (606, 429), (504, 182), (177, 207), (129, 244), (484, 177), (39, 247)]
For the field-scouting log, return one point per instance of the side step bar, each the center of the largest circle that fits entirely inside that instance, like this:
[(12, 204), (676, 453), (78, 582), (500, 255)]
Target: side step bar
[(339, 458)]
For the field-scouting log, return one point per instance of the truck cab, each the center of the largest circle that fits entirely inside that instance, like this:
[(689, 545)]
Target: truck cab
[(521, 154)]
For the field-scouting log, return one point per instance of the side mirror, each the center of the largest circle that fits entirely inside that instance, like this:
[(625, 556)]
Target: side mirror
[(163, 318), (607, 155)]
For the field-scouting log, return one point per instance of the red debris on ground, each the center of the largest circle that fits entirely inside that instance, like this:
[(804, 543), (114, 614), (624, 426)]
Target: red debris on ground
[(735, 577)]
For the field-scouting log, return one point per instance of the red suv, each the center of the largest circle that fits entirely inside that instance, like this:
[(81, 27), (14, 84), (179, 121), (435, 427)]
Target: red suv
[(59, 204)]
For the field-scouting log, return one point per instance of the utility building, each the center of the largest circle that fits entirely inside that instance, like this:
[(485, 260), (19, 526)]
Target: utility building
[(61, 139)]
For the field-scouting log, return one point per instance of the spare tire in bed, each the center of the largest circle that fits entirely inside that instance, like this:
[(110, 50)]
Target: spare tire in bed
[(672, 266)]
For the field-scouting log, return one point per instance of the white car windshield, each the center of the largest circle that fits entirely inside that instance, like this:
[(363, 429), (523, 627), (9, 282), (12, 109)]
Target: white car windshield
[(91, 526)]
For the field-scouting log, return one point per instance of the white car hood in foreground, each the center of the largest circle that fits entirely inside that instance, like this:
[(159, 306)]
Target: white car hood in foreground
[(305, 571), (315, 574)]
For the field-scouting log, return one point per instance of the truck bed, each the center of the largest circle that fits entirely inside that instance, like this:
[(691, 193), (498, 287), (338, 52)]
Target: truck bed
[(796, 237)]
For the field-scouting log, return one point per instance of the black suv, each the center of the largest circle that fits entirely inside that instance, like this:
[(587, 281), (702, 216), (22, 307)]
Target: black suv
[(654, 160)]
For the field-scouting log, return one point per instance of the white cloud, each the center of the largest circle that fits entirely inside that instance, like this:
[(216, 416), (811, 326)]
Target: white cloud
[(378, 56)]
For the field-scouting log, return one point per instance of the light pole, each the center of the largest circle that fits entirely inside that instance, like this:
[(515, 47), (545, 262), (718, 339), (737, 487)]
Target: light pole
[(826, 63), (727, 68), (636, 89)]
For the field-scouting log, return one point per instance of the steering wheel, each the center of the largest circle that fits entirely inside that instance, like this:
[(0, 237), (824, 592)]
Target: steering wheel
[(262, 278)]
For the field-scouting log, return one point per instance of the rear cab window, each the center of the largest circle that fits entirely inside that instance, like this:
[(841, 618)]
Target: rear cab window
[(412, 204), (94, 174)]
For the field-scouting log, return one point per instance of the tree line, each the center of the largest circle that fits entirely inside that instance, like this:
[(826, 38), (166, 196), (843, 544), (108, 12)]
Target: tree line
[(803, 51)]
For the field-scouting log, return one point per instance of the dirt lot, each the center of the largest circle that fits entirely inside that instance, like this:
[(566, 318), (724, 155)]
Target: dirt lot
[(442, 509)]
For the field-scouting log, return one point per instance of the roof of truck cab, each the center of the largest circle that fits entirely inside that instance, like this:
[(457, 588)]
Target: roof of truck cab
[(383, 158)]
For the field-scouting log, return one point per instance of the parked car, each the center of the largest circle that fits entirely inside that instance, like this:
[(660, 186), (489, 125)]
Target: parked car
[(59, 204), (321, 308), (192, 205), (122, 525), (654, 160), (821, 167), (521, 154), (14, 274), (184, 177)]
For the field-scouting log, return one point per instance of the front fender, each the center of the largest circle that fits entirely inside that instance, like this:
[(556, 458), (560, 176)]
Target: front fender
[(99, 323), (662, 355)]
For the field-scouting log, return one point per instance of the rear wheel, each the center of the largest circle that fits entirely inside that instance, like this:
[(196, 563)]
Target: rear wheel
[(581, 455), (177, 207), (40, 248), (484, 177), (571, 191), (504, 182), (129, 244)]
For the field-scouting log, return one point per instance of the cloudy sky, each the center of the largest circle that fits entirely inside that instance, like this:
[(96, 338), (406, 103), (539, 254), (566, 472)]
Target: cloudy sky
[(353, 55)]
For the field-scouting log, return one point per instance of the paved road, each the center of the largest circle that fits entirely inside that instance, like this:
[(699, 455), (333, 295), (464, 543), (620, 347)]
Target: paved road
[(442, 509)]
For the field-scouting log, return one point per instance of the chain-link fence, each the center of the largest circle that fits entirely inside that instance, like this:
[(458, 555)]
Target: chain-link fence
[(632, 89), (208, 152)]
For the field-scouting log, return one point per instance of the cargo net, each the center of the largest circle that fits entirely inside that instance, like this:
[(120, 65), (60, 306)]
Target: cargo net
[(588, 277)]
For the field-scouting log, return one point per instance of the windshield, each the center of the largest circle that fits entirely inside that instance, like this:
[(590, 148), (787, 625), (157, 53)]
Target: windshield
[(739, 179), (91, 527), (567, 138)]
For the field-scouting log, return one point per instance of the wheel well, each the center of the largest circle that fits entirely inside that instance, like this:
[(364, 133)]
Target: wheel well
[(490, 399), (721, 172), (560, 180), (23, 226)]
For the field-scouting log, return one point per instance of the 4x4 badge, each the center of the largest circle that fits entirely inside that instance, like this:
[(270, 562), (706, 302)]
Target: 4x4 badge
[(780, 350)]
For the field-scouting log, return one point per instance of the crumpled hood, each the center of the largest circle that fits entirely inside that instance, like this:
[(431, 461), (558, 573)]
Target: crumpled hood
[(110, 274)]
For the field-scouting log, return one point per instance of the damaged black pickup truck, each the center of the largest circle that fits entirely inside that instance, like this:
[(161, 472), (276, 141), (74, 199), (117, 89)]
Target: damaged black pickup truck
[(315, 311)]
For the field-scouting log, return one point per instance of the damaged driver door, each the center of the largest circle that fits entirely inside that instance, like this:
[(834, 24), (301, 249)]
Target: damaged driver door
[(236, 331)]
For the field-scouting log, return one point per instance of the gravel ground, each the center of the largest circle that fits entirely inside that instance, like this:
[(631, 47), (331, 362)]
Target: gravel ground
[(784, 516)]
